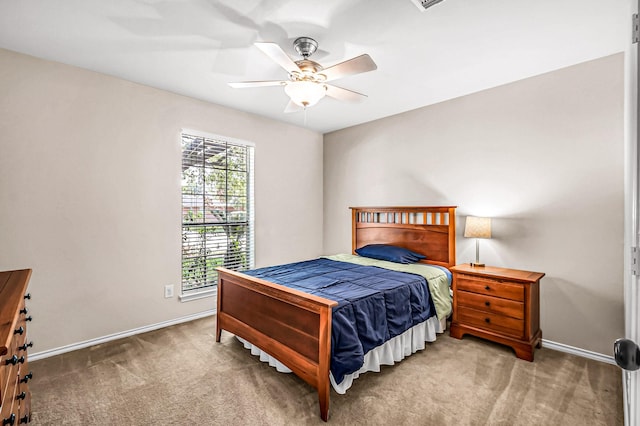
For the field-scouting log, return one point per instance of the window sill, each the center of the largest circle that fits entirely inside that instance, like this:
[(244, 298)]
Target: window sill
[(195, 295)]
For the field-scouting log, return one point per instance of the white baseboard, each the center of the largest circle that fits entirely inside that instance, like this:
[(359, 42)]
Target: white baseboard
[(80, 345), (561, 347)]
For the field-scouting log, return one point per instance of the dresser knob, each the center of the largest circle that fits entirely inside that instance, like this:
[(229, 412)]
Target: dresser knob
[(27, 377), (22, 395), (27, 296), (25, 419), (11, 420), (13, 360), (29, 318), (487, 303), (25, 346), (20, 330), (486, 287), (23, 311), (487, 320)]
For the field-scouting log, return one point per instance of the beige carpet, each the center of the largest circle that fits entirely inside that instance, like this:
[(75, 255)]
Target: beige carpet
[(180, 376)]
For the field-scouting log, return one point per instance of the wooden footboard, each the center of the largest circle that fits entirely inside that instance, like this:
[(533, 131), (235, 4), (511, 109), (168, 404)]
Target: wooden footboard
[(292, 326)]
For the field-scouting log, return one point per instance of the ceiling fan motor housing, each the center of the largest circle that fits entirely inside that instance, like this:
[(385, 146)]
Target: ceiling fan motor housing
[(305, 46)]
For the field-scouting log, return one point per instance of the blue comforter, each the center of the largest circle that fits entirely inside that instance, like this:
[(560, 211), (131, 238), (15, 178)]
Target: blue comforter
[(374, 304)]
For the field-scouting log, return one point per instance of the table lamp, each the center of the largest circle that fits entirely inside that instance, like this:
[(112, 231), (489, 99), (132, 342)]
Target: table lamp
[(477, 227)]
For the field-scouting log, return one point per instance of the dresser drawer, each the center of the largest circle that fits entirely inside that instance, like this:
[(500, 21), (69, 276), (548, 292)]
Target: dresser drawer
[(8, 373), (497, 305), (24, 411), (491, 287), (490, 321), (7, 412), (9, 392), (8, 382)]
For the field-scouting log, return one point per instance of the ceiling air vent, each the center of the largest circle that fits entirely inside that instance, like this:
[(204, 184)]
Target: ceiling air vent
[(425, 4)]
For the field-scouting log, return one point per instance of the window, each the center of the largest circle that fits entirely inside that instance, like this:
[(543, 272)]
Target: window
[(217, 209)]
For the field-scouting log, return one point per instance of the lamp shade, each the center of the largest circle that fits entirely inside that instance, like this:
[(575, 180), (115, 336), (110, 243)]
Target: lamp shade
[(477, 227), (305, 93)]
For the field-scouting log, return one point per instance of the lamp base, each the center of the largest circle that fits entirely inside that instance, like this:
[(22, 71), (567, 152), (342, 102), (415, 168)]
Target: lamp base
[(476, 265)]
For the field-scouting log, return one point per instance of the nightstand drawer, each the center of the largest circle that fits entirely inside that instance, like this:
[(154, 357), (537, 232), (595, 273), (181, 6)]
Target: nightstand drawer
[(491, 321), (480, 302), (491, 287)]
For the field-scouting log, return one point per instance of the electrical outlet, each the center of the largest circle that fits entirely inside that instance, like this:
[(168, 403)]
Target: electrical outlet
[(168, 291)]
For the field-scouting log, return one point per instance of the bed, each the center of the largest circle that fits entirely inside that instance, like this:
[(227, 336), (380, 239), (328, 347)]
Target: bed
[(293, 326)]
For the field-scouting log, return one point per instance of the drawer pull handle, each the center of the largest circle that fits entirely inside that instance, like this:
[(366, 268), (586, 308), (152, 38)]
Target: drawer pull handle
[(25, 346), (21, 360), (486, 287), (27, 377), (487, 320), (13, 360), (27, 296), (19, 330), (23, 395), (29, 318), (11, 420), (25, 419), (487, 303), (23, 311)]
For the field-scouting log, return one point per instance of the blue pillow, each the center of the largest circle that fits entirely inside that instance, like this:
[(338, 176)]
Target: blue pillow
[(389, 253)]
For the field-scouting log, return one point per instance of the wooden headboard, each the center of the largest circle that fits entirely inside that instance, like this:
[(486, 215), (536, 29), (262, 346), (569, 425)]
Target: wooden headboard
[(430, 231)]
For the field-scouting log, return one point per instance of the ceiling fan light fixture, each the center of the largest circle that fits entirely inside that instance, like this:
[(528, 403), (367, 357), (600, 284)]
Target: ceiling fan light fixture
[(305, 93)]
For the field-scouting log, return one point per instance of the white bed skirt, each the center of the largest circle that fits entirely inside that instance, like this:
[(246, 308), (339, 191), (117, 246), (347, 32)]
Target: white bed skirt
[(390, 352)]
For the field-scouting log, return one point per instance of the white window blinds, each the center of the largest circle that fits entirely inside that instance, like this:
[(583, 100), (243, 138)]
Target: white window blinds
[(217, 209)]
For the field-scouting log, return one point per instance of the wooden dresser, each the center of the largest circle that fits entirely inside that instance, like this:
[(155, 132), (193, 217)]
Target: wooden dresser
[(15, 397), (499, 304)]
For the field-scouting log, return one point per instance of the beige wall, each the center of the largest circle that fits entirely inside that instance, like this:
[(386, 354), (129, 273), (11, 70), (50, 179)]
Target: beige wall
[(542, 156), (90, 195)]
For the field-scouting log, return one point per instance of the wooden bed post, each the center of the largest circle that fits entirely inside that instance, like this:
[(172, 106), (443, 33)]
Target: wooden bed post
[(324, 362), (218, 327), (354, 220), (452, 237)]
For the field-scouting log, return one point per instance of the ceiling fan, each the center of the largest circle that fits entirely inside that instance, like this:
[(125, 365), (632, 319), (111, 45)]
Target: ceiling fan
[(307, 82)]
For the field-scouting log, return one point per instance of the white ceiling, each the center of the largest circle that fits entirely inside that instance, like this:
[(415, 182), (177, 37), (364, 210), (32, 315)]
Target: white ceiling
[(194, 47)]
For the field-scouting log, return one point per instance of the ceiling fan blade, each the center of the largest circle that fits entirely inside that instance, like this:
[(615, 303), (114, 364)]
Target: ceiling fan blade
[(278, 55), (344, 94), (357, 65), (292, 107), (247, 84)]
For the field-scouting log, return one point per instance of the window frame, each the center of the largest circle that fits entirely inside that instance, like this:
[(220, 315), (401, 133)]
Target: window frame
[(211, 291)]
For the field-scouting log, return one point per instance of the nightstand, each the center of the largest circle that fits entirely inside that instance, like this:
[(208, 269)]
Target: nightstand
[(498, 304)]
